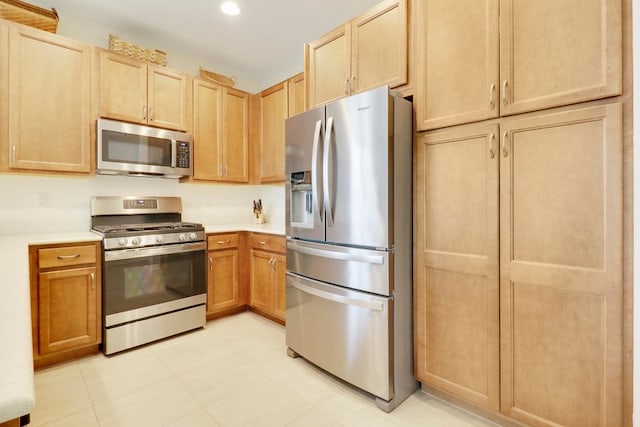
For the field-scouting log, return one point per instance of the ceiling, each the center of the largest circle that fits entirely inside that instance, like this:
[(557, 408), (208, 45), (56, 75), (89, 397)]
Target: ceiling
[(261, 46)]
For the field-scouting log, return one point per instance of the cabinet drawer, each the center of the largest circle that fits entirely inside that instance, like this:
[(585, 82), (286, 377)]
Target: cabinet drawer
[(66, 256), (268, 242), (222, 241)]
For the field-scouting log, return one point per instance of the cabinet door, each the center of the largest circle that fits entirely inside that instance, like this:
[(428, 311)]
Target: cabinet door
[(67, 309), (273, 112), (235, 135), (207, 131), (167, 98), (262, 286), (560, 269), (559, 52), (328, 65), (296, 95), (222, 291), (457, 54), (456, 263), (123, 88), (50, 102), (279, 272), (379, 47)]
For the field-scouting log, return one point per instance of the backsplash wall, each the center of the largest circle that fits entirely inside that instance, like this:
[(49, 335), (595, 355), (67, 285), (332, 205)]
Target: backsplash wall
[(45, 204)]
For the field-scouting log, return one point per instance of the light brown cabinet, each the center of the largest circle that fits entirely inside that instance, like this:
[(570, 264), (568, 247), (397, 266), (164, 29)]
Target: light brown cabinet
[(223, 291), (45, 101), (559, 302), (268, 269), (65, 300), (273, 112), (221, 136), (369, 51), (295, 87), (139, 92), (478, 60), (456, 265)]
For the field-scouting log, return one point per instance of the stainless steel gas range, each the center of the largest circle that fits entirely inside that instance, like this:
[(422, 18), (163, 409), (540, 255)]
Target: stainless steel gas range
[(154, 272)]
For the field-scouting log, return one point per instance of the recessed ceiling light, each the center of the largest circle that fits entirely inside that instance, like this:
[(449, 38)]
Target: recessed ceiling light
[(230, 8)]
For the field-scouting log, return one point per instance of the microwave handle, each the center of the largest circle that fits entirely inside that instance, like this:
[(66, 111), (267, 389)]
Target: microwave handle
[(174, 153)]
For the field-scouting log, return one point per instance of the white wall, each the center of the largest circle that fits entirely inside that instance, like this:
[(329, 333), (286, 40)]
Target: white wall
[(67, 201)]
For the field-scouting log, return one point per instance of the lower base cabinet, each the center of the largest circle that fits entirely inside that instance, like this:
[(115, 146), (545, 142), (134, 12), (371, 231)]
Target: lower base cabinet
[(224, 290), (268, 269), (518, 273), (65, 300)]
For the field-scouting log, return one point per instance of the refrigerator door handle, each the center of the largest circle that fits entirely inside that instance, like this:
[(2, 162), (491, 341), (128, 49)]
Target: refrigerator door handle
[(327, 179), (315, 188), (376, 306), (343, 256)]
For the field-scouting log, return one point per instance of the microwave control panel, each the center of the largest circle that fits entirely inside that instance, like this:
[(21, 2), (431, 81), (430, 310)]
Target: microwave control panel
[(182, 156)]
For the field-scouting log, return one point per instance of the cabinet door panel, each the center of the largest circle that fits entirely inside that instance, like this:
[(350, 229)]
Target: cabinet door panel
[(123, 88), (456, 263), (235, 135), (551, 54), (167, 98), (67, 309), (50, 102), (561, 276), (329, 67), (296, 95), (262, 291), (223, 280), (457, 46), (273, 112), (379, 47), (207, 131), (280, 267)]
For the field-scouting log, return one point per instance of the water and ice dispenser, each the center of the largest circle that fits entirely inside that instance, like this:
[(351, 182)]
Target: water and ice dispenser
[(301, 199)]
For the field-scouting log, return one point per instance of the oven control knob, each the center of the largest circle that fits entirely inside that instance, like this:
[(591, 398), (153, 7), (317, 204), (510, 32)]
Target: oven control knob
[(136, 241), (159, 239), (122, 241), (182, 237), (193, 236)]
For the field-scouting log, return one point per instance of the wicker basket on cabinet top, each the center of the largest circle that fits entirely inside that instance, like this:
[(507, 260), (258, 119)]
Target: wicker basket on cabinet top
[(28, 14), (133, 50)]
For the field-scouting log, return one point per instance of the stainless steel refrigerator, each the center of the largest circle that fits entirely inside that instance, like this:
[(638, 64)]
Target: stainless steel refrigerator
[(348, 225)]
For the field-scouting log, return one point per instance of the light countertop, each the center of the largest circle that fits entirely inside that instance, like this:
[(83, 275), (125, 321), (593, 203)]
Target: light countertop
[(256, 228)]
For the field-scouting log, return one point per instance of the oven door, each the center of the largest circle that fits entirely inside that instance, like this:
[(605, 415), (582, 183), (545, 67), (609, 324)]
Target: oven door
[(145, 282)]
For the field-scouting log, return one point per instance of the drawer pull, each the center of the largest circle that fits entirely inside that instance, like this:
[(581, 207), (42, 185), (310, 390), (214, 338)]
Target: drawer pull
[(65, 257), (224, 242), (210, 263), (93, 281), (262, 242)]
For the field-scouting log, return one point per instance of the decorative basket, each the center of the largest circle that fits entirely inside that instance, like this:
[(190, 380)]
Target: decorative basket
[(131, 49), (28, 14), (217, 78)]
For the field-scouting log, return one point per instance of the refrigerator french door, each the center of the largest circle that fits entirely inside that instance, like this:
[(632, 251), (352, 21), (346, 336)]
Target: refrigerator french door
[(348, 224)]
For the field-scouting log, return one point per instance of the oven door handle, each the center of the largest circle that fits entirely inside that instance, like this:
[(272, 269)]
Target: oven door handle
[(153, 251)]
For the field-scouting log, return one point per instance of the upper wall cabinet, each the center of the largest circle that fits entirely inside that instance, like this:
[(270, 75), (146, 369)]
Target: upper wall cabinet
[(135, 91), (45, 118), (220, 133), (482, 59), (369, 51), (296, 94), (273, 112)]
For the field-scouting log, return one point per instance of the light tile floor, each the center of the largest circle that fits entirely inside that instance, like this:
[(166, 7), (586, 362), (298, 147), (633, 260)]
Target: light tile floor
[(234, 372)]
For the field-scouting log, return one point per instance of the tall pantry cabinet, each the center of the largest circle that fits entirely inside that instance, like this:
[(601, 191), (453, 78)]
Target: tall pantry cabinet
[(518, 287)]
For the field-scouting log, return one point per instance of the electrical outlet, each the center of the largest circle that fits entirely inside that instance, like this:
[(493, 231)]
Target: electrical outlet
[(42, 200)]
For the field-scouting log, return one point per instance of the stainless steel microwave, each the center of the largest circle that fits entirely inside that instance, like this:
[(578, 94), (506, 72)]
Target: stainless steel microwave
[(137, 150)]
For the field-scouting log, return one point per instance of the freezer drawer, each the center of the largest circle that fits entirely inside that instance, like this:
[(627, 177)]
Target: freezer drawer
[(347, 333), (360, 269)]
